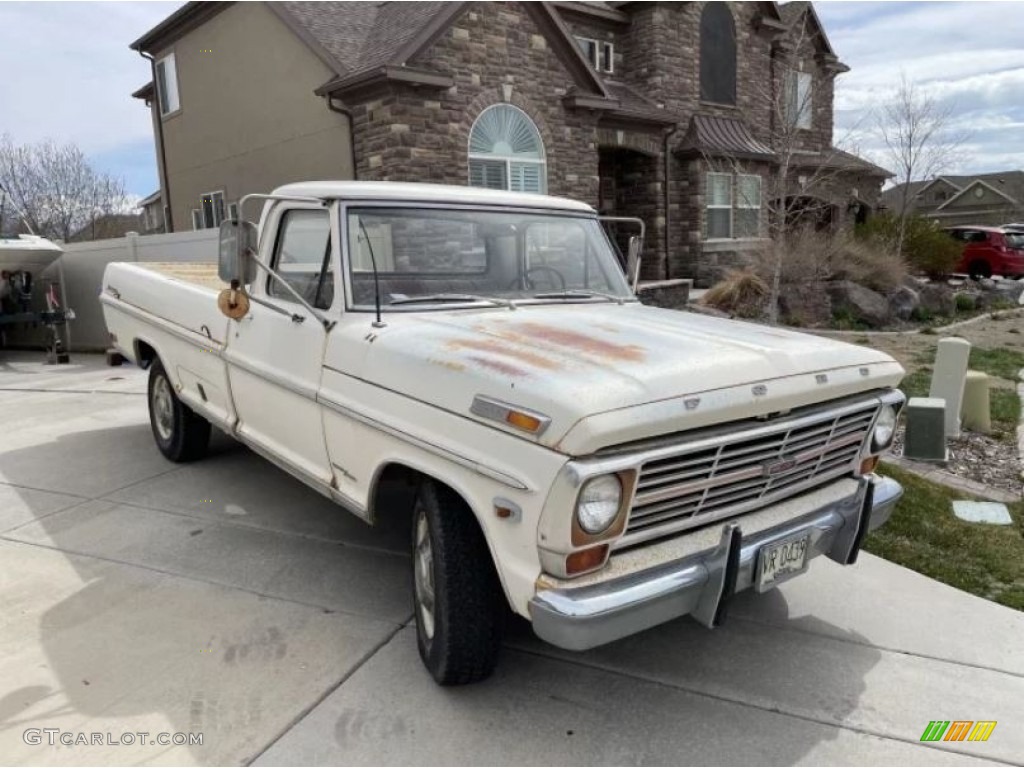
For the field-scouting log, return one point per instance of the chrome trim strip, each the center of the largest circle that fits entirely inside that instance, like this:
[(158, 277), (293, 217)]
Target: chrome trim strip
[(196, 338), (303, 476), (269, 375), (495, 410), (437, 450)]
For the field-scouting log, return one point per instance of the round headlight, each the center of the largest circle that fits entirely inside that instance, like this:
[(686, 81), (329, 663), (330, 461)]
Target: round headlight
[(599, 503), (885, 428)]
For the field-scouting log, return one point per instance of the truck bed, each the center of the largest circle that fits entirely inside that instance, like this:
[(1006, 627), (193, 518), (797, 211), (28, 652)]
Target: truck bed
[(199, 273)]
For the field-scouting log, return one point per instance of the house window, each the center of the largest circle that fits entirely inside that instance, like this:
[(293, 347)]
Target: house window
[(213, 209), (717, 54), (233, 211), (718, 217), (600, 55), (747, 219), (167, 85), (798, 99), (506, 151), (732, 206), (197, 219)]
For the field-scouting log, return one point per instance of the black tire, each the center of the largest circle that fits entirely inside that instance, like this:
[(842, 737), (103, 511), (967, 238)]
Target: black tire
[(460, 640), (180, 433), (979, 270)]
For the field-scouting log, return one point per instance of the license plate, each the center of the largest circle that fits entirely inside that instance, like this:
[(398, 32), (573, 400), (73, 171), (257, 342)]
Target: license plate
[(780, 561)]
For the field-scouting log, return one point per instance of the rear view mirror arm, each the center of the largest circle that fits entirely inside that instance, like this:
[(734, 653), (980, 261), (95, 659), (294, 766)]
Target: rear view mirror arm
[(327, 324)]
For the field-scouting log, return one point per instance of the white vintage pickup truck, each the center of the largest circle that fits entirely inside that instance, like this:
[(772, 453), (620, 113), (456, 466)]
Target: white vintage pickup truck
[(478, 360)]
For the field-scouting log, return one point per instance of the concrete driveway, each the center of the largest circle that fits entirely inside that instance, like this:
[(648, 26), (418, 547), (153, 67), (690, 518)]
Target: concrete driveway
[(224, 598)]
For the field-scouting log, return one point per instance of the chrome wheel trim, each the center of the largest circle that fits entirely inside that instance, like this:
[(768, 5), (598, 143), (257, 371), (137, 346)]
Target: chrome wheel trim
[(162, 404), (423, 570)]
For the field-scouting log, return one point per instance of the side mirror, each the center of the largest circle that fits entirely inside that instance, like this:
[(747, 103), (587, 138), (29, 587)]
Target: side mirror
[(636, 245), (238, 246)]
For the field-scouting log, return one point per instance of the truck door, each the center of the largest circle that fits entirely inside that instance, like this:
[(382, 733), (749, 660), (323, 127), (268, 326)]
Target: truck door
[(275, 352)]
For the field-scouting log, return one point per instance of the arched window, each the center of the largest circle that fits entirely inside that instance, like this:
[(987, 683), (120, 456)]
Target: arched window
[(506, 151), (717, 54)]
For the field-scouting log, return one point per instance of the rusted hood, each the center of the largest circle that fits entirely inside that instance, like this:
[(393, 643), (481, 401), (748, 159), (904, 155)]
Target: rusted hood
[(575, 362)]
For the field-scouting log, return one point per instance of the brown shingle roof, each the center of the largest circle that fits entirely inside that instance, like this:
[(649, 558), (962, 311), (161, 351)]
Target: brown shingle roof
[(361, 36)]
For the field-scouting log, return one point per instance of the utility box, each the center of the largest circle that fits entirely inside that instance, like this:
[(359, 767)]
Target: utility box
[(925, 439), (948, 379)]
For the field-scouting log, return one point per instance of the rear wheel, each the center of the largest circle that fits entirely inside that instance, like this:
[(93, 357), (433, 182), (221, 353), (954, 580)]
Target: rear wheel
[(979, 270), (459, 602), (181, 434)]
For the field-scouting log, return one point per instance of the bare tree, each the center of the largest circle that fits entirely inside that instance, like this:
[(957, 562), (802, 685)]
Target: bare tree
[(55, 189), (920, 140), (795, 183)]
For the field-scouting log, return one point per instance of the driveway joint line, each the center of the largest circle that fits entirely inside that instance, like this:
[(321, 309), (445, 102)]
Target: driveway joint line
[(248, 527), (326, 693), (70, 391), (37, 518), (196, 579), (968, 664), (739, 702), (44, 490)]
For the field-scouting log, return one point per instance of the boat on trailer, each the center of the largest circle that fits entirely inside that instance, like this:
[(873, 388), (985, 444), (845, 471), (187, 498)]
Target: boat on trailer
[(28, 301), (28, 253)]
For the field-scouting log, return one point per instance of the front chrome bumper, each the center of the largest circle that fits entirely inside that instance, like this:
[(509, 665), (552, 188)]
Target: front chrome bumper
[(702, 583)]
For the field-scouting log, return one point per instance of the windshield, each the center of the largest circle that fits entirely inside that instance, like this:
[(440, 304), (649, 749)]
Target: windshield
[(431, 257), (1015, 239)]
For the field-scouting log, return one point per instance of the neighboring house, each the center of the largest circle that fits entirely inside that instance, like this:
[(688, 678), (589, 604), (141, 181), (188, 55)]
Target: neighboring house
[(632, 107), (152, 207), (990, 199)]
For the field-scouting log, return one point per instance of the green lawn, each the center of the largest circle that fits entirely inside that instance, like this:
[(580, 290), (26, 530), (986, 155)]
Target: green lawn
[(925, 536)]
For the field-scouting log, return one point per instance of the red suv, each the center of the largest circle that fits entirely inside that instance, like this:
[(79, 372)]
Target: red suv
[(990, 251)]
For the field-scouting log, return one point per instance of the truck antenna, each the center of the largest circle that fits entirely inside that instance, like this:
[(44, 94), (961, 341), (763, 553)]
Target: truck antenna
[(378, 323)]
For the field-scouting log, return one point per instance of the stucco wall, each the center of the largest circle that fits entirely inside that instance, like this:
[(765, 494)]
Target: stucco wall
[(249, 120)]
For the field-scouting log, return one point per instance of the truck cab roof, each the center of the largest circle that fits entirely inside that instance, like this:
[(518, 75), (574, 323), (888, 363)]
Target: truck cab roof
[(428, 193)]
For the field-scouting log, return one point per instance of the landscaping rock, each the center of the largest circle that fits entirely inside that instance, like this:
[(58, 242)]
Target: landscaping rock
[(804, 306), (1009, 290), (937, 299), (903, 301), (862, 303)]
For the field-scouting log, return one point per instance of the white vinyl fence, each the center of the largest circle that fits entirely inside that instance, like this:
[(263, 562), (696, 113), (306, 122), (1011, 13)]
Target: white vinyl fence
[(83, 265)]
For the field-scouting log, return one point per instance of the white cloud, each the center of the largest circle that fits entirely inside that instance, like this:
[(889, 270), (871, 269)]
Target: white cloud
[(969, 55), (68, 73)]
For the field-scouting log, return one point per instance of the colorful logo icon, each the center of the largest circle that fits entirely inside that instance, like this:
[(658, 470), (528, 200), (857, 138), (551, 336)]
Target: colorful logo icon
[(958, 730)]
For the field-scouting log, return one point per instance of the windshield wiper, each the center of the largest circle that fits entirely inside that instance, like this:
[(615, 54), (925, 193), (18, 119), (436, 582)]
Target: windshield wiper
[(575, 294), (453, 298)]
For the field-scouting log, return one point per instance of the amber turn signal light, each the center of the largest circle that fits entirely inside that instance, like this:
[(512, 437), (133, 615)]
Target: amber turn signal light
[(867, 466), (523, 421), (586, 560)]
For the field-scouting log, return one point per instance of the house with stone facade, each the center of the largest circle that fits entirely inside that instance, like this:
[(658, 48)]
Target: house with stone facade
[(666, 111)]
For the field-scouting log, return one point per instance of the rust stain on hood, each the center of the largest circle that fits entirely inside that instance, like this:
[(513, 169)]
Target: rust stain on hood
[(513, 352), (581, 342)]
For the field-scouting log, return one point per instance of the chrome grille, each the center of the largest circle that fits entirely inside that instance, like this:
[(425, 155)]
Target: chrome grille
[(712, 479)]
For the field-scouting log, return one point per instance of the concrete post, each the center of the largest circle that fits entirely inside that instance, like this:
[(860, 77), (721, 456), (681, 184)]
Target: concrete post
[(948, 379), (976, 411)]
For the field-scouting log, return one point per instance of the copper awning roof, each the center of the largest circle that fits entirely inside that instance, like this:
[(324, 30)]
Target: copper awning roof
[(715, 136)]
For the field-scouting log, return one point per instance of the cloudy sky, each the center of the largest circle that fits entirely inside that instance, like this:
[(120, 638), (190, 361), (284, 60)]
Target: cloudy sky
[(68, 72)]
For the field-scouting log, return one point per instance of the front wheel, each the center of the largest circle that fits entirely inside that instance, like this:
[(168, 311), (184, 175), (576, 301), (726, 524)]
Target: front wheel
[(458, 599), (979, 270), (181, 434)]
